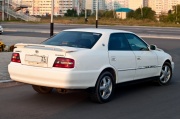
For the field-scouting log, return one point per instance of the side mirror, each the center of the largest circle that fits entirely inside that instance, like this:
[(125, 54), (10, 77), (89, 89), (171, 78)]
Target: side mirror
[(153, 47)]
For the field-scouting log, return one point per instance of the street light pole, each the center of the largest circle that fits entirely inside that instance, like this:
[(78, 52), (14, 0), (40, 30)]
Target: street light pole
[(141, 11), (8, 16), (78, 9), (3, 10), (176, 13), (85, 13), (114, 13), (52, 14), (97, 7)]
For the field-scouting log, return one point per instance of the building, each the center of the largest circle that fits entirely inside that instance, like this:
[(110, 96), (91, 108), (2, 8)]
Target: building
[(116, 4), (92, 5), (43, 7), (135, 4), (122, 13), (162, 6), (65, 5), (40, 7), (145, 3), (78, 5)]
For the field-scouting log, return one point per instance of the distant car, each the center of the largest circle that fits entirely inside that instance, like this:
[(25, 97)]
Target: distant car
[(1, 29), (94, 59)]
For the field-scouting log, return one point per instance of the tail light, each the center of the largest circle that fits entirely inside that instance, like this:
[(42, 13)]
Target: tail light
[(15, 58), (64, 63)]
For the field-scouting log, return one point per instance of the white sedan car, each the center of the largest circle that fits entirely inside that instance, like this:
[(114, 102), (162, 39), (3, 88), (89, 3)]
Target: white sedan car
[(1, 29), (94, 59)]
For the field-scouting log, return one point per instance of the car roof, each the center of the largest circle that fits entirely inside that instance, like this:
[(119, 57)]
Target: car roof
[(98, 30)]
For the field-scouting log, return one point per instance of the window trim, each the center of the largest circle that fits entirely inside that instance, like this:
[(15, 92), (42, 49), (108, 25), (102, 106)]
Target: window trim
[(130, 49), (147, 45), (74, 32)]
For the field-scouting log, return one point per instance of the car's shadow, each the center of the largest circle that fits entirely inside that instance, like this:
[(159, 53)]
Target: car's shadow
[(123, 90)]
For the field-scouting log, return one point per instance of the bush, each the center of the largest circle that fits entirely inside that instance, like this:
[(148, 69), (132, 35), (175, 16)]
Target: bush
[(2, 46)]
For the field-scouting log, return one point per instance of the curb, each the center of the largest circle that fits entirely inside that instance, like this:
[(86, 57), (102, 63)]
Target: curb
[(9, 83)]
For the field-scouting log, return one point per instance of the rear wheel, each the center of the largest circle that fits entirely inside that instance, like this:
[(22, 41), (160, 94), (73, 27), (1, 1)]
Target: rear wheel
[(104, 88), (42, 89), (166, 74)]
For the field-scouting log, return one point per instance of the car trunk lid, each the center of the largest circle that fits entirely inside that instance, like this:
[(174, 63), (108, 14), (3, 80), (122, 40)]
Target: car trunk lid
[(41, 55)]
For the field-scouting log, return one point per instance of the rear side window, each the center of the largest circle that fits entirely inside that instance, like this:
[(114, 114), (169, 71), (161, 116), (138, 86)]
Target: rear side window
[(118, 42), (74, 39)]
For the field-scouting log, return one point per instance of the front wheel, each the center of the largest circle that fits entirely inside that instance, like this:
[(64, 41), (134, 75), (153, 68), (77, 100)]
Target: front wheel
[(42, 89), (104, 88), (166, 74)]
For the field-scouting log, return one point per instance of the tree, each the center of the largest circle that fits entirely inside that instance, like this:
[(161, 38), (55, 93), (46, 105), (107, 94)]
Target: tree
[(130, 14), (71, 13), (106, 14), (163, 18), (109, 14), (172, 16), (142, 13), (148, 13)]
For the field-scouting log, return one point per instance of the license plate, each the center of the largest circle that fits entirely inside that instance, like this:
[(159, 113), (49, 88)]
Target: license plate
[(34, 58)]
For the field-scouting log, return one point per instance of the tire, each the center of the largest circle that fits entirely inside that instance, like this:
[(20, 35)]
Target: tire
[(165, 75), (104, 89), (42, 89)]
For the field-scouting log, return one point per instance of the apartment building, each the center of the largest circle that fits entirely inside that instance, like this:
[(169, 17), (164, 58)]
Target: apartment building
[(145, 3), (116, 4), (43, 7), (40, 7), (65, 5), (92, 4), (162, 6), (78, 5), (135, 4)]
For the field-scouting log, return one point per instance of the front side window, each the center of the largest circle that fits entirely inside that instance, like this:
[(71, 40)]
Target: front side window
[(136, 43), (74, 39), (118, 42)]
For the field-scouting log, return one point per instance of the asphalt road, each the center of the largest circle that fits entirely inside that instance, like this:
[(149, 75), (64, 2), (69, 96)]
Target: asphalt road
[(45, 28), (132, 101)]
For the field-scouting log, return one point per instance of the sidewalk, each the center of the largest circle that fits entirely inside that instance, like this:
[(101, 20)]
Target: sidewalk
[(5, 57)]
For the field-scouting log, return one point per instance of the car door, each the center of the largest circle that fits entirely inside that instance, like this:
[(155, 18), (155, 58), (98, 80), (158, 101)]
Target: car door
[(121, 57), (146, 59)]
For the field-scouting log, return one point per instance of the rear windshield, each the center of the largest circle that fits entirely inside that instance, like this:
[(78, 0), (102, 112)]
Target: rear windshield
[(74, 39)]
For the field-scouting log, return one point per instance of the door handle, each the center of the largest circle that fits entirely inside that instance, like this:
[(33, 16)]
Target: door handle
[(113, 58), (138, 58)]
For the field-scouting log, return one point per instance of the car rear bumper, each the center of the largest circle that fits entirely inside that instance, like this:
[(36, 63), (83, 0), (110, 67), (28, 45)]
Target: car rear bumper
[(52, 77)]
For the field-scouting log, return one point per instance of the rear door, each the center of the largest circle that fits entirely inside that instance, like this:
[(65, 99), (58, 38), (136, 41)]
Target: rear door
[(121, 57), (145, 58)]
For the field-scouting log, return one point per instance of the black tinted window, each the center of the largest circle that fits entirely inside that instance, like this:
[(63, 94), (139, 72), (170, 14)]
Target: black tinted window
[(118, 41), (136, 43), (74, 39)]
